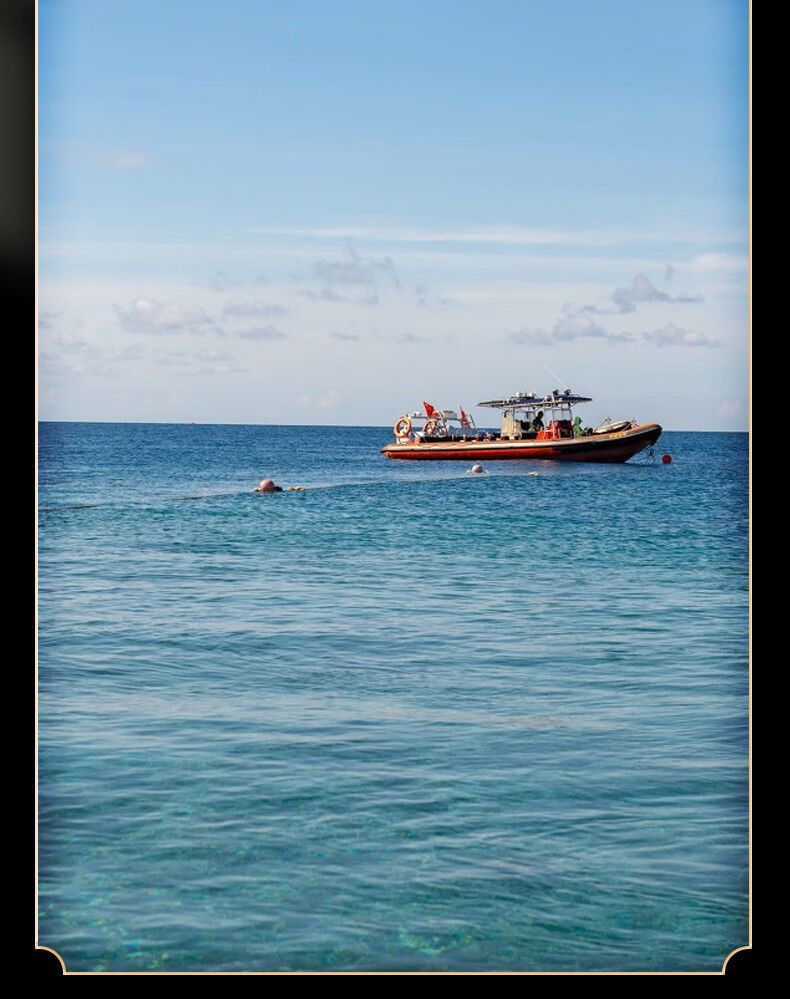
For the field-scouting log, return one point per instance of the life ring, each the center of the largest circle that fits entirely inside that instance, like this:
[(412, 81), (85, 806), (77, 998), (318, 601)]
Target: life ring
[(429, 428), (402, 427)]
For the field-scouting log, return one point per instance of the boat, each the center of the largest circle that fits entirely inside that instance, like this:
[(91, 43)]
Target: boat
[(532, 427)]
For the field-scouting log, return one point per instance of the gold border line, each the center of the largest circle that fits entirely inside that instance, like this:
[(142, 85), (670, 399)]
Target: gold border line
[(737, 950)]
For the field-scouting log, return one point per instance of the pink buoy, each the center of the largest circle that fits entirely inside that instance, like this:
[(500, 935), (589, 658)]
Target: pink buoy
[(477, 469), (667, 459), (267, 486)]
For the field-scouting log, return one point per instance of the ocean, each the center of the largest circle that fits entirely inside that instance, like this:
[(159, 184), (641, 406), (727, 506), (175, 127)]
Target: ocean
[(407, 719)]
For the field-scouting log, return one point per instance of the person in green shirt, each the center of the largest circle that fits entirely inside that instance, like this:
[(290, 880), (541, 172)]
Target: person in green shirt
[(578, 430)]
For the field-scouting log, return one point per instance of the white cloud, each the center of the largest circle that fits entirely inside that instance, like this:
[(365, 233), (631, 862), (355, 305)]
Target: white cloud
[(424, 297), (673, 336), (210, 362), (247, 309), (219, 369), (575, 326), (145, 315), (325, 295), (343, 272), (719, 262), (330, 295), (355, 270), (67, 354), (642, 289), (221, 281), (581, 325), (212, 356), (262, 333)]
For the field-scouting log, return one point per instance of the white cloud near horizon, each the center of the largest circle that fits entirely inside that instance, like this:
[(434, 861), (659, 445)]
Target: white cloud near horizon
[(145, 315), (66, 354)]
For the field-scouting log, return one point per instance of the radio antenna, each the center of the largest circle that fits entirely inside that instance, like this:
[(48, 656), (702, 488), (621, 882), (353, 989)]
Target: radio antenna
[(554, 373)]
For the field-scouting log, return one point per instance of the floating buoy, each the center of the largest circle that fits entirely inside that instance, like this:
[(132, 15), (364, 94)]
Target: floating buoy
[(476, 469), (267, 486), (666, 459)]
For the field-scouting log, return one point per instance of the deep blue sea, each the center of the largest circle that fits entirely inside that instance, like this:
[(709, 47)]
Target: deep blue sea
[(406, 719)]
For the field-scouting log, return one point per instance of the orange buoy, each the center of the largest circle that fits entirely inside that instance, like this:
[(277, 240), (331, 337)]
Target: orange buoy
[(667, 459)]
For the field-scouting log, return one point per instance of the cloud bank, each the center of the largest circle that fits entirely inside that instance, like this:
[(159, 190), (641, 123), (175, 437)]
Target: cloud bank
[(641, 290), (145, 315), (581, 326)]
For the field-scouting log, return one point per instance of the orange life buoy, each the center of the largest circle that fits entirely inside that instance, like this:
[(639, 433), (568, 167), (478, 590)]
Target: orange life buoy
[(402, 427)]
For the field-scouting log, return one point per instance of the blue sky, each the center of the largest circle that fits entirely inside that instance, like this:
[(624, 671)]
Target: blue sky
[(327, 212)]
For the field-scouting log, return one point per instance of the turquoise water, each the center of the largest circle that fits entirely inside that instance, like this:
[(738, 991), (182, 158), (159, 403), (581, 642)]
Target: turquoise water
[(407, 719)]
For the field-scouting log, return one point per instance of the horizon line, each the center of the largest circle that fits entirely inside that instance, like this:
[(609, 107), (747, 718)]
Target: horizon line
[(329, 426)]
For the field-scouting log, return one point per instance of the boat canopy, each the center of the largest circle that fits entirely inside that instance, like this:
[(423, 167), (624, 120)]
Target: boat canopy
[(529, 400)]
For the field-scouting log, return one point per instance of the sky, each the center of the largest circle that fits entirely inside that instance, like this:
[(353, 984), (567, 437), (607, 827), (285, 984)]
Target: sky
[(328, 212)]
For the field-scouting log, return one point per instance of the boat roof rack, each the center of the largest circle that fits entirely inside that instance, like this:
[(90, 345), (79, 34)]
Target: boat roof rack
[(527, 400)]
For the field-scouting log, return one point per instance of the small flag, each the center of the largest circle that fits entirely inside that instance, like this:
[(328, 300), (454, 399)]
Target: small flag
[(466, 421), (429, 410)]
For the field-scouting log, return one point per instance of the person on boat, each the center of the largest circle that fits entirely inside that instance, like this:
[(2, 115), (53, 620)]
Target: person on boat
[(537, 423), (578, 429), (528, 431)]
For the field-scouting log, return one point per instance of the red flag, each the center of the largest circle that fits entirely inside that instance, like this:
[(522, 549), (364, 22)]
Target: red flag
[(429, 410), (466, 421)]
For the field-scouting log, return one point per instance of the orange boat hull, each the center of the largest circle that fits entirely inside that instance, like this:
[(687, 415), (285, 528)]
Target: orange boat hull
[(617, 447)]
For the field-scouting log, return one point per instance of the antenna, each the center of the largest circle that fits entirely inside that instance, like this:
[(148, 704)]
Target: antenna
[(556, 376)]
